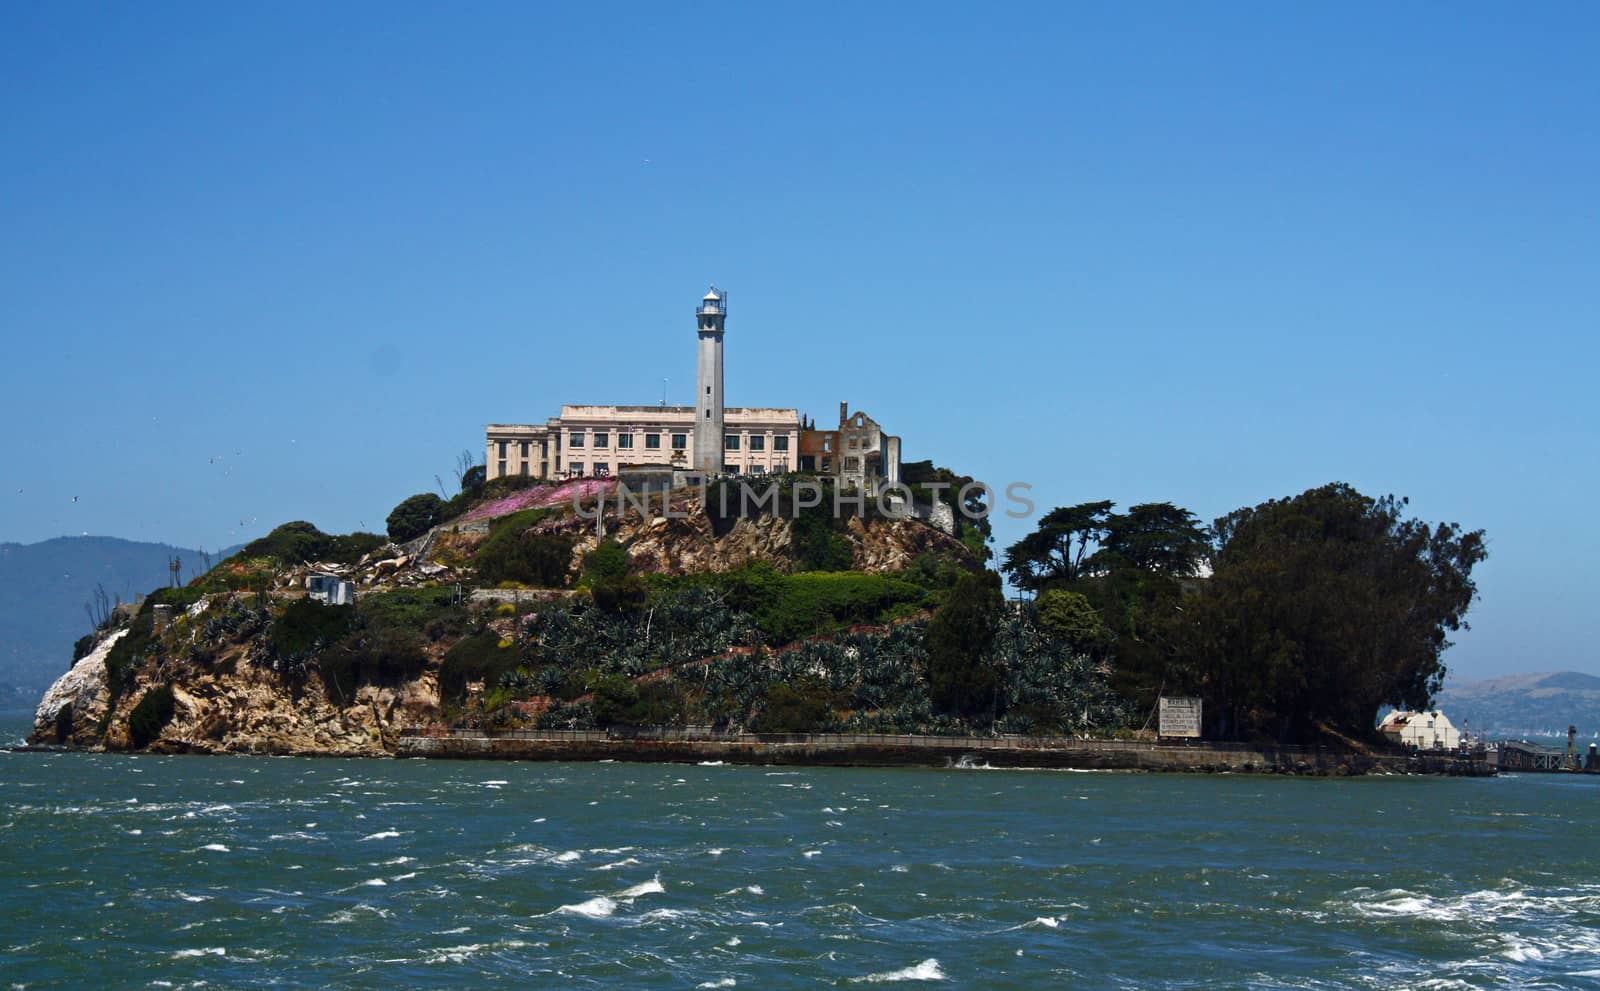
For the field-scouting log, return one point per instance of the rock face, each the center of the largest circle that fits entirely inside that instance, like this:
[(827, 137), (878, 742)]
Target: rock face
[(76, 703)]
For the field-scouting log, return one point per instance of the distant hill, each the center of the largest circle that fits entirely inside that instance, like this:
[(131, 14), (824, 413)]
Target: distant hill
[(43, 589), (1526, 705)]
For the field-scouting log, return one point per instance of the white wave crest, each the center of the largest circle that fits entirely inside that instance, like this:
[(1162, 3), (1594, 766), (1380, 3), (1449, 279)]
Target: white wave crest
[(387, 834), (595, 908), (651, 887), (927, 970)]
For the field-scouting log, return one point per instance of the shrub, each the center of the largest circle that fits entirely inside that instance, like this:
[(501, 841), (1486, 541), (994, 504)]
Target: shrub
[(370, 657), (475, 658), (619, 701), (510, 555), (154, 711), (415, 516), (307, 625), (815, 543), (606, 571), (803, 707), (301, 541), (821, 602), (127, 653)]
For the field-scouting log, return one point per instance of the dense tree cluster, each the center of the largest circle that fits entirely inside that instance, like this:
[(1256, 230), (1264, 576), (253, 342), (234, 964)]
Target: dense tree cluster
[(1291, 619)]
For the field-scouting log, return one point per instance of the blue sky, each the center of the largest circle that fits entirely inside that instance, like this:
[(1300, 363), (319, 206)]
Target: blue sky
[(1211, 254)]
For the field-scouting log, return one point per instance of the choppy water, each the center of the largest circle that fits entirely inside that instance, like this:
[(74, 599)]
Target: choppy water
[(257, 872)]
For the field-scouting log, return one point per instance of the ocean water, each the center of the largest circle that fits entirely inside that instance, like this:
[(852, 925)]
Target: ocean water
[(188, 872)]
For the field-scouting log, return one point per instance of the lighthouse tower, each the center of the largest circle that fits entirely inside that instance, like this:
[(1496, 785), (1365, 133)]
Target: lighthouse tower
[(708, 432)]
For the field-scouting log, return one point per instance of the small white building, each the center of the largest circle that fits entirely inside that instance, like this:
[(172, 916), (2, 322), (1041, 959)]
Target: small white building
[(1423, 730), (330, 590)]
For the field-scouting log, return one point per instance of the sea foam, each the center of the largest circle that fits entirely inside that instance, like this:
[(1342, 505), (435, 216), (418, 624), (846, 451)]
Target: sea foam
[(927, 970)]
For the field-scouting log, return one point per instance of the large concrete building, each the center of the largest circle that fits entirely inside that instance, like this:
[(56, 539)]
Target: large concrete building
[(708, 437)]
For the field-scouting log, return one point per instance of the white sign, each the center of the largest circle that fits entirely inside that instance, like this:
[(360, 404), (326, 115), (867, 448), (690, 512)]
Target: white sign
[(1179, 717)]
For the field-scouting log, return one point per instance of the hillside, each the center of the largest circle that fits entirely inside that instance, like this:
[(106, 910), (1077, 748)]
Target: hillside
[(1526, 705), (516, 612), (43, 589)]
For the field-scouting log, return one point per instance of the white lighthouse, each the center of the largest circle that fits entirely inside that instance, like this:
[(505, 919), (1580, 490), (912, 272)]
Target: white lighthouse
[(708, 427)]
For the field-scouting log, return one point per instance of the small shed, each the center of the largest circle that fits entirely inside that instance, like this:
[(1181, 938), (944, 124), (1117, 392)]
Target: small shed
[(330, 590)]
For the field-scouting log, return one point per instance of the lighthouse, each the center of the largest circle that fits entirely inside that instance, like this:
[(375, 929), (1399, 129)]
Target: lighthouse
[(708, 426)]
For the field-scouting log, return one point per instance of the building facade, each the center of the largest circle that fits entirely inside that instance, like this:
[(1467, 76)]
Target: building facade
[(708, 437), (1423, 730)]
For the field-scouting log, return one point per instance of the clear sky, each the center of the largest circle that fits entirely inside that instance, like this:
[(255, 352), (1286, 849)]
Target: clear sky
[(268, 262)]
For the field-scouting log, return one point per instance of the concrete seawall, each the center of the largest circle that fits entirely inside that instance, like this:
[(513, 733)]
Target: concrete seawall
[(857, 750)]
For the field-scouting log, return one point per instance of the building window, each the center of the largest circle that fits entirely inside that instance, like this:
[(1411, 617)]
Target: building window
[(729, 469), (625, 440), (708, 414), (602, 469), (758, 443), (502, 470), (652, 442), (852, 463), (602, 439), (576, 440), (708, 390), (680, 441), (524, 451), (757, 470), (576, 467), (780, 465), (827, 464), (780, 443), (524, 468), (502, 449), (730, 442)]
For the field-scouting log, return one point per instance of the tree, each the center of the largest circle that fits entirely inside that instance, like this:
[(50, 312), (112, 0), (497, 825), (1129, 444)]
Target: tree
[(1056, 552), (415, 516), (1072, 619), (1324, 607), (1156, 537), (474, 478), (962, 677)]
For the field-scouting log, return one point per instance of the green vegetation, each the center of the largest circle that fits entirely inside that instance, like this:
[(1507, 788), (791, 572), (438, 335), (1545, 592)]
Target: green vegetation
[(511, 554), (807, 706), (154, 711), (1325, 606), (962, 678), (1321, 608), (300, 541), (127, 654), (610, 579), (306, 625), (415, 516), (479, 657)]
